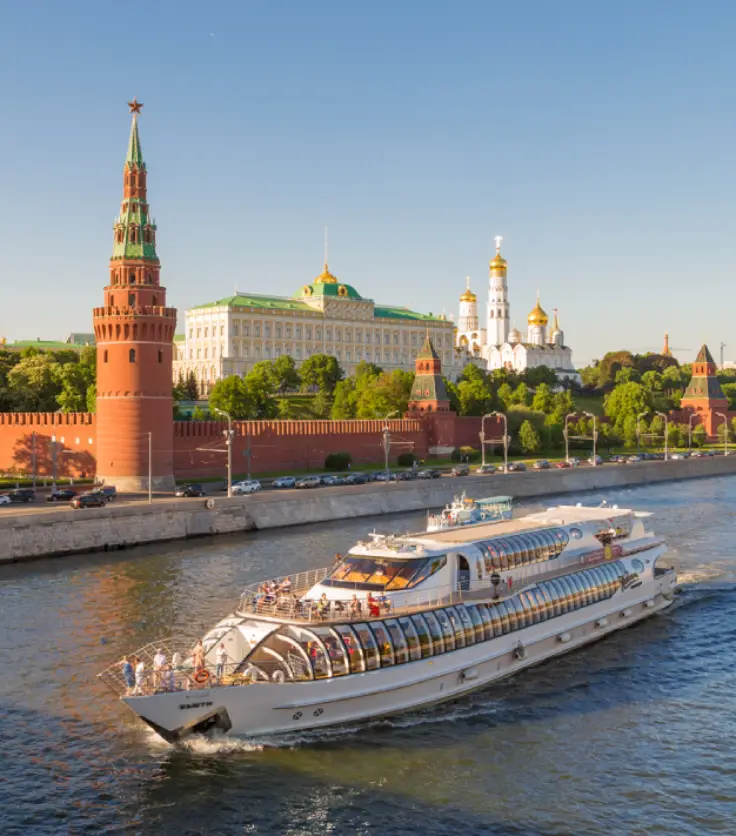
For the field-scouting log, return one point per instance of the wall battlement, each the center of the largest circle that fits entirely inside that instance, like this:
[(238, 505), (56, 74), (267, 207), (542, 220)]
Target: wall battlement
[(47, 419), (214, 429)]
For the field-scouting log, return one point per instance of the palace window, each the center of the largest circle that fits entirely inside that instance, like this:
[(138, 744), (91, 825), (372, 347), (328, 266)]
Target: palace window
[(191, 354), (298, 353), (298, 332), (318, 333), (328, 334), (278, 331), (206, 333), (199, 354), (267, 331), (246, 330), (358, 335), (308, 333), (191, 333), (396, 338), (414, 339), (338, 335), (258, 330), (131, 355), (288, 332), (235, 329)]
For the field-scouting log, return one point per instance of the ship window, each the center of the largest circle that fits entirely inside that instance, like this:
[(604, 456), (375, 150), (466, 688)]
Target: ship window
[(585, 587), (552, 545), (377, 573), (598, 585), (401, 647), (528, 608), (412, 639), (577, 590), (593, 587), (425, 639), (559, 596), (368, 643), (544, 591), (337, 656), (566, 594), (467, 623), (510, 550), (383, 640), (352, 646), (542, 545), (562, 538), (483, 549), (636, 564), (479, 625), (448, 631), (513, 614), (503, 612), (494, 626), (457, 626), (543, 607), (528, 549)]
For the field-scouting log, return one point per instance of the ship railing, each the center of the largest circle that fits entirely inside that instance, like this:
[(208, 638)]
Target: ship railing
[(255, 599), (178, 673)]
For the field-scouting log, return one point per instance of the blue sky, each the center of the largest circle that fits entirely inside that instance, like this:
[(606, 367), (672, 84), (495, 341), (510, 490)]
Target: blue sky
[(597, 138)]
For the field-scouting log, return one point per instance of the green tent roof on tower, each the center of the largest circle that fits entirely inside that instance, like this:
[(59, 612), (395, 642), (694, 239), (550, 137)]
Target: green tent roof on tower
[(135, 151), (704, 356), (427, 351)]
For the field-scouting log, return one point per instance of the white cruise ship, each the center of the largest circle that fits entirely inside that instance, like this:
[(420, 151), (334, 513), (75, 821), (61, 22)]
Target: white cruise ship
[(403, 622)]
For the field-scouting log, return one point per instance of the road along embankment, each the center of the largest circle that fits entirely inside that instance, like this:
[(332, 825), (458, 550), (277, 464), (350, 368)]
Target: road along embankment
[(55, 531)]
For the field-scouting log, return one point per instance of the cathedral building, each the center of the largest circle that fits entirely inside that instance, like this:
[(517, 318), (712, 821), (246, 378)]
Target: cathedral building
[(502, 347)]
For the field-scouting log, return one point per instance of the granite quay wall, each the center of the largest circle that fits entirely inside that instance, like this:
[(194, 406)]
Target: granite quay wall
[(56, 532)]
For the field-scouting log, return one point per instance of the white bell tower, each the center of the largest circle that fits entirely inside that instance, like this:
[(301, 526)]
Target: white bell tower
[(498, 299)]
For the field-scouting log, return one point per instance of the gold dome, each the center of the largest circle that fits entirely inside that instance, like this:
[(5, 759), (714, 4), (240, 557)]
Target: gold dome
[(538, 316), (468, 296), (498, 262), (325, 277)]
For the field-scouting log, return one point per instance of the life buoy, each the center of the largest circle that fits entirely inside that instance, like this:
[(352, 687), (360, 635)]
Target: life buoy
[(520, 651), (201, 676), (210, 503), (278, 676)]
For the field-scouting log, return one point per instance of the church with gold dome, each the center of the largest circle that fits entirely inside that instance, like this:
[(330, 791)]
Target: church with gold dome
[(327, 316), (501, 347)]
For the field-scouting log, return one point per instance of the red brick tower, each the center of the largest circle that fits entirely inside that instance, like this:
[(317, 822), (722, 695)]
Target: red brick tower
[(704, 395), (428, 393), (135, 333)]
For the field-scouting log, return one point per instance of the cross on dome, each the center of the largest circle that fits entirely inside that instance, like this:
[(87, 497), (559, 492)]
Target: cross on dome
[(498, 240)]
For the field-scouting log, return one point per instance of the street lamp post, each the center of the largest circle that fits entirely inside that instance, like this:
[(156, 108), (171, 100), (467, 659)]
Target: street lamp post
[(638, 431), (483, 436), (228, 433), (666, 449), (595, 437), (505, 438), (725, 432), (565, 433), (386, 450), (150, 468), (690, 432)]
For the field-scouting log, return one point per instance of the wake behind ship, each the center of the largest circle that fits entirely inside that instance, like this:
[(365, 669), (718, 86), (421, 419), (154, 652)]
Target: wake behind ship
[(403, 622)]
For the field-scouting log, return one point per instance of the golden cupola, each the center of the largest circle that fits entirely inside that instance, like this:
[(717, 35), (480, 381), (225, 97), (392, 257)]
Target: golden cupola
[(538, 315), (468, 296), (325, 277), (498, 262)]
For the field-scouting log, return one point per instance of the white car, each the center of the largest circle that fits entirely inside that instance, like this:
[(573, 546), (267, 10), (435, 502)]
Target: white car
[(5, 500), (241, 488)]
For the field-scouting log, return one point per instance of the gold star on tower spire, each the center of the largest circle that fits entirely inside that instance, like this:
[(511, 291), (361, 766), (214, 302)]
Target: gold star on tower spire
[(135, 106)]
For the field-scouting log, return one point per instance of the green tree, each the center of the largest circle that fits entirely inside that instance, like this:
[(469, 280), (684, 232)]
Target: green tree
[(699, 435), (199, 414), (321, 372), (653, 380), (192, 391), (344, 401), (528, 438), (543, 400), (34, 383), (521, 395), (321, 405), (627, 374), (628, 399), (505, 395), (230, 395), (540, 375), (180, 388), (285, 374)]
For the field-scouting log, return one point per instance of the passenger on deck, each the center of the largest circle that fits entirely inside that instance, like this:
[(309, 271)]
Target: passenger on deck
[(168, 679), (373, 608), (140, 677), (384, 602), (159, 660), (128, 674), (338, 558), (355, 607), (198, 656), (286, 585), (323, 606), (221, 660)]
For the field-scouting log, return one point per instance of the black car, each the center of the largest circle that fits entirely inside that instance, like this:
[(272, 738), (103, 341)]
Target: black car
[(64, 495), (356, 479), (460, 470), (22, 495), (516, 467), (89, 500), (190, 490), (107, 492)]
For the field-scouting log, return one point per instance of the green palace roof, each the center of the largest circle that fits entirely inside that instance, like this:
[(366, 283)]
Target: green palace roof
[(253, 300), (404, 313), (43, 345), (180, 338), (345, 291)]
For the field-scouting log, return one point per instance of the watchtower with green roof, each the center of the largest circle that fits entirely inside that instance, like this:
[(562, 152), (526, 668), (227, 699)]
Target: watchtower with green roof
[(428, 392), (134, 332), (704, 395)]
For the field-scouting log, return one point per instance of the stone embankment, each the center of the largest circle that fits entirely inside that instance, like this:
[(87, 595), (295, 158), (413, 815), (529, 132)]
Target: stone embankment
[(56, 532)]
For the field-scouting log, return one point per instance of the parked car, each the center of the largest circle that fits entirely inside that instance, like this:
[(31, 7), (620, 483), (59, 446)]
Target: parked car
[(617, 459), (4, 499), (356, 479), (190, 490), (406, 476), (595, 460), (677, 456), (574, 461), (89, 500), (485, 468), (22, 495), (385, 476), (309, 482), (542, 464), (460, 470), (516, 467), (430, 473), (64, 495), (284, 482), (246, 486), (633, 459), (562, 464), (107, 492)]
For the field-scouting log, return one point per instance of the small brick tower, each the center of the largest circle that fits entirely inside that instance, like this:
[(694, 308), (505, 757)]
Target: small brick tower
[(704, 395), (428, 393), (135, 332)]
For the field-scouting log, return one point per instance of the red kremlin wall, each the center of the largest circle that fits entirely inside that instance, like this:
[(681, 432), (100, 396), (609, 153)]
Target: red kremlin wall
[(199, 446)]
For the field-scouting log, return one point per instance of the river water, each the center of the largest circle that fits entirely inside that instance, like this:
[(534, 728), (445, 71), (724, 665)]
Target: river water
[(633, 735)]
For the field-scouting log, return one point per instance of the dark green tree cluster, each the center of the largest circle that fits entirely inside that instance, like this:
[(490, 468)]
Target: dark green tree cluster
[(44, 381)]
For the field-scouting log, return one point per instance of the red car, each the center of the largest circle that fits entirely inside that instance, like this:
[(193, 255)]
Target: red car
[(563, 464)]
